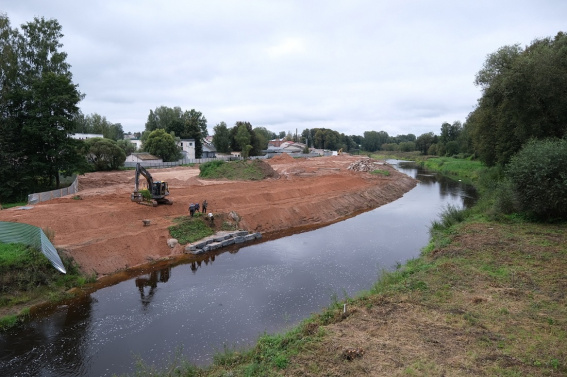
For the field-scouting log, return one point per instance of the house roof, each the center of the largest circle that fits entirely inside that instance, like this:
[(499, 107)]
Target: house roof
[(145, 156)]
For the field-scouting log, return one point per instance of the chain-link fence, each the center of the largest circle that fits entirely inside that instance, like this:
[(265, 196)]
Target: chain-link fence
[(32, 236)]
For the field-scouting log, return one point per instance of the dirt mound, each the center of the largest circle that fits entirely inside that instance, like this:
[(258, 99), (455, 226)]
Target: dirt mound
[(283, 158), (104, 231), (266, 169)]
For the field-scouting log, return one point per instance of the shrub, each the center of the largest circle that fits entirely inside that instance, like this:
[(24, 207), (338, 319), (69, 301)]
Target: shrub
[(209, 168), (538, 174)]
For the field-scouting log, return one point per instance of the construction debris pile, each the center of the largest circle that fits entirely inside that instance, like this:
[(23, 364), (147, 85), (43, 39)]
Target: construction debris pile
[(364, 165)]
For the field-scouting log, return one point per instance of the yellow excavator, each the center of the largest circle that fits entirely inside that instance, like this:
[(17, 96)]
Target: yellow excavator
[(158, 189)]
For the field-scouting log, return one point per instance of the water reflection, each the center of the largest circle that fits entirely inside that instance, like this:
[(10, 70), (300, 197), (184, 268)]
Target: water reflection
[(237, 294), (50, 346), (150, 281), (447, 187)]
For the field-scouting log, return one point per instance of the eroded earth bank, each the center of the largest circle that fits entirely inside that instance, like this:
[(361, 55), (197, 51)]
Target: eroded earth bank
[(103, 230)]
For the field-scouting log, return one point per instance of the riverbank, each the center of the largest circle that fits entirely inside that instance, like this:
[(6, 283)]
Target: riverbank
[(485, 298), (103, 231)]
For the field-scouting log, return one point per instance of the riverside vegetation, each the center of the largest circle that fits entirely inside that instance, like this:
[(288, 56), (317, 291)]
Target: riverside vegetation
[(486, 297), (28, 278)]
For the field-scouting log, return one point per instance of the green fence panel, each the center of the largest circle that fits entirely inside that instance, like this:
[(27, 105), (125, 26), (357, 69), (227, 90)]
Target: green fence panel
[(32, 236)]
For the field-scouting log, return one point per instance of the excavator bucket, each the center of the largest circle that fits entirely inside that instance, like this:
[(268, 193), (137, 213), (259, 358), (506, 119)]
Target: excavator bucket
[(136, 197)]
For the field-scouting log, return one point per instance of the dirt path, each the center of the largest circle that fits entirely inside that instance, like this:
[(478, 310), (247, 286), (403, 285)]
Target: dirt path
[(104, 232)]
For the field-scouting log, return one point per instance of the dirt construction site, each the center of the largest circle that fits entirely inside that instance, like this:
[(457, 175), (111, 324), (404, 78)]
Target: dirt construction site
[(103, 230)]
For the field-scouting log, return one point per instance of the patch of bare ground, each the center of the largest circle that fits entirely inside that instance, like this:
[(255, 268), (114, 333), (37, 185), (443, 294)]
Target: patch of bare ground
[(491, 303)]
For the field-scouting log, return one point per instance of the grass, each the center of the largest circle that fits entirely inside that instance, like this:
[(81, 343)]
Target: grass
[(27, 276), (465, 169), (10, 205), (190, 229), (235, 170), (380, 172)]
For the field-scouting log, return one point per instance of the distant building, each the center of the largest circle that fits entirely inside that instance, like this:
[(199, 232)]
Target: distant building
[(81, 136), (143, 157), (187, 148), (209, 150), (137, 142)]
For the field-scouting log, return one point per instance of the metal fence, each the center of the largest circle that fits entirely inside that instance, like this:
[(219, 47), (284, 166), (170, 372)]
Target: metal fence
[(74, 188), (184, 161), (32, 236), (48, 195)]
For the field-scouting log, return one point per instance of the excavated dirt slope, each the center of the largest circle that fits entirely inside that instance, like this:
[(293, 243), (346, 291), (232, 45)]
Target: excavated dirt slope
[(104, 232)]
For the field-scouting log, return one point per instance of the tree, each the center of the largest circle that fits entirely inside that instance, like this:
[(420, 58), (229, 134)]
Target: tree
[(184, 124), (193, 131), (264, 136), (104, 154), (254, 142), (97, 124), (38, 104), (196, 118), (161, 144), (221, 138), (424, 141), (373, 140), (127, 146), (243, 138), (523, 97)]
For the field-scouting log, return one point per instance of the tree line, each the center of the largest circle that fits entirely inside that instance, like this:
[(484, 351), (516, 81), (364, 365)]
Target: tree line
[(523, 101)]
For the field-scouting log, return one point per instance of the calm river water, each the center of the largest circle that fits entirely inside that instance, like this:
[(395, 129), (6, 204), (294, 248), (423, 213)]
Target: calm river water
[(230, 299)]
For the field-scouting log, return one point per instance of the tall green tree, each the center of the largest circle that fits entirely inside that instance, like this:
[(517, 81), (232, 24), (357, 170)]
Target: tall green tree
[(221, 138), (264, 136), (184, 124), (373, 140), (523, 98), (242, 138), (37, 106), (163, 145), (105, 154), (97, 124), (424, 142), (254, 142)]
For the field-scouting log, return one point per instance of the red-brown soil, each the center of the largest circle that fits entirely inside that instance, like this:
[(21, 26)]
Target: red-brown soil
[(104, 232)]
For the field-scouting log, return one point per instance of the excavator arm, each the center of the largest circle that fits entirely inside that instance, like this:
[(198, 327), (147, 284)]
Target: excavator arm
[(140, 170)]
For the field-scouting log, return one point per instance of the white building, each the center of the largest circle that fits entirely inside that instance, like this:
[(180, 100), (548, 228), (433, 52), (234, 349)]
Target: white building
[(187, 148), (81, 136)]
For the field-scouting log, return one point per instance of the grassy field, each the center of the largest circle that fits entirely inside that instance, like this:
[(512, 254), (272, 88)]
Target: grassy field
[(484, 298)]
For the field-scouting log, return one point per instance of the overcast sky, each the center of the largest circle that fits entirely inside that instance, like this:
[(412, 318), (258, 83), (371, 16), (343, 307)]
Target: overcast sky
[(352, 66)]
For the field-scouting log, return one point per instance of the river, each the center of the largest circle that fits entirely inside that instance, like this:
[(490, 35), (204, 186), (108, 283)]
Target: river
[(228, 299)]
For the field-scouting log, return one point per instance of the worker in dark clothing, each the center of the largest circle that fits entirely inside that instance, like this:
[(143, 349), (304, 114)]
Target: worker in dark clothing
[(196, 207), (204, 206), (191, 209)]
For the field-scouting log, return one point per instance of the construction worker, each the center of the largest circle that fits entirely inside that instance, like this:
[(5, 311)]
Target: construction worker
[(191, 209), (204, 206)]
